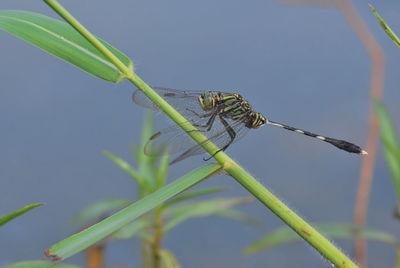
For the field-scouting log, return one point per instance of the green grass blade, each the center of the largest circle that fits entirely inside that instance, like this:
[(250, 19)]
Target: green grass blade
[(122, 164), (8, 217), (391, 145), (100, 209), (147, 132), (385, 26), (162, 171), (147, 164), (78, 242), (193, 194), (168, 260), (39, 264), (181, 213), (388, 130), (147, 128), (61, 40), (285, 235)]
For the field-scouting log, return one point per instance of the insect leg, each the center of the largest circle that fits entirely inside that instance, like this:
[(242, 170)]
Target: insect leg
[(231, 133), (188, 152), (200, 115), (209, 124)]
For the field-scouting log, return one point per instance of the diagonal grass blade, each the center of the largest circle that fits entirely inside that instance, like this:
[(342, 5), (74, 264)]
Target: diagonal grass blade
[(101, 230)]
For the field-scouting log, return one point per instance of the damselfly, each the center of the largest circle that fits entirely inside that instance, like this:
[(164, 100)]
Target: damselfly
[(222, 117)]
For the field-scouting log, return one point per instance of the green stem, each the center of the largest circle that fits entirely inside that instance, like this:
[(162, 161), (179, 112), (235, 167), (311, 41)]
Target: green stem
[(145, 253), (306, 231), (301, 227), (397, 263), (157, 236), (144, 243)]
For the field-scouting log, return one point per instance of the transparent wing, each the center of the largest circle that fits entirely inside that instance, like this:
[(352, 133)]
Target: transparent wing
[(174, 139), (181, 100)]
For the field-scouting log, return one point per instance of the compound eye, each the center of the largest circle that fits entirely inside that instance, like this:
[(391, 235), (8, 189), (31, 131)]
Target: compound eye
[(201, 101), (207, 103)]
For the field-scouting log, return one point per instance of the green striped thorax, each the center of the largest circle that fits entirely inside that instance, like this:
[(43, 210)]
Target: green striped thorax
[(232, 106)]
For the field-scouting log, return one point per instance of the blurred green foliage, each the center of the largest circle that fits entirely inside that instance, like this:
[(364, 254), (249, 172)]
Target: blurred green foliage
[(149, 175)]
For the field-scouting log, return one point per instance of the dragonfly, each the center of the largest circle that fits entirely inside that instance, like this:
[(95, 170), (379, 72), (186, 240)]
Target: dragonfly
[(222, 117)]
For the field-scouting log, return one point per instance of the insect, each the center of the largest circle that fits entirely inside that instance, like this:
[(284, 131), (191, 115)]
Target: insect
[(222, 117)]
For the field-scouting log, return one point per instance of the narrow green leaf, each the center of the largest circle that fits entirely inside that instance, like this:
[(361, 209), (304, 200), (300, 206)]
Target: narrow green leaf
[(393, 162), (391, 144), (285, 235), (388, 130), (385, 27), (147, 128), (100, 209), (189, 195), (40, 264), (168, 260), (146, 165), (78, 242), (122, 164), (162, 171), (61, 40), (147, 132), (181, 213), (8, 217)]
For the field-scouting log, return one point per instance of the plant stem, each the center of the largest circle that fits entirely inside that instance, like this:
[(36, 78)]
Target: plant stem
[(308, 233), (145, 249), (397, 263), (158, 236), (144, 243)]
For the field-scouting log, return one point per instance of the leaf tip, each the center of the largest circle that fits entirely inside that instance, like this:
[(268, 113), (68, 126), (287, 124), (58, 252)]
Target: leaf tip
[(54, 257), (371, 7)]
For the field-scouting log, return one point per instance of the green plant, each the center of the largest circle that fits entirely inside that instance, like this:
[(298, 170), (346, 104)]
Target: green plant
[(105, 62), (4, 219), (385, 26), (10, 216), (39, 264), (284, 235), (152, 227), (391, 144)]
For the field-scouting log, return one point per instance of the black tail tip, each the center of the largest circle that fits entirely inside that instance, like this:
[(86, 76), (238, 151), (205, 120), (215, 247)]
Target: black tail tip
[(348, 147)]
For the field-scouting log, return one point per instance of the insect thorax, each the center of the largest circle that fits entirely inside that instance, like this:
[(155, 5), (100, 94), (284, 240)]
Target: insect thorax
[(232, 106)]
